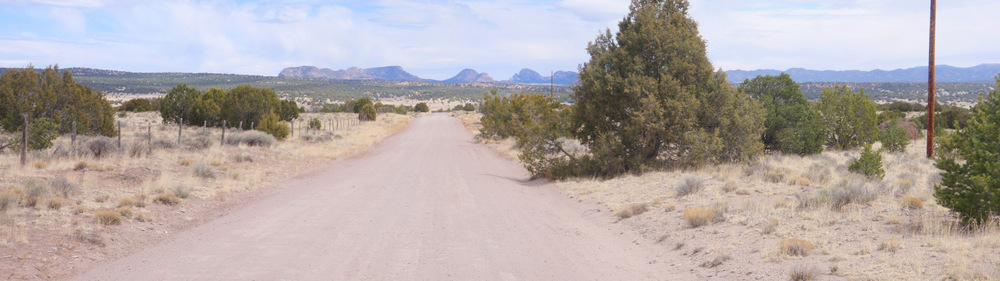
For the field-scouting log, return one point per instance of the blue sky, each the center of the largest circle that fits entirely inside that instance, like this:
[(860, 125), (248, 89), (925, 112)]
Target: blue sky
[(437, 39)]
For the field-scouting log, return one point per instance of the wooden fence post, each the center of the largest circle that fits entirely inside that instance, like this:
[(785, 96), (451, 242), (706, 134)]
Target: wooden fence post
[(204, 126), (251, 125), (149, 142), (293, 127), (72, 138), (223, 141), (24, 141), (119, 134), (180, 127), (241, 125)]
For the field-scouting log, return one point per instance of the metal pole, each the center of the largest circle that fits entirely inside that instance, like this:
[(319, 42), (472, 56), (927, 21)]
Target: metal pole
[(930, 84)]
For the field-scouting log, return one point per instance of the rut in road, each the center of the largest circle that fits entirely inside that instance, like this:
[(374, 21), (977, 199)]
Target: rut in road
[(426, 204)]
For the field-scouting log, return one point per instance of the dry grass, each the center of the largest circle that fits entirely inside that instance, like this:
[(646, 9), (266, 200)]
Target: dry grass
[(803, 273), (631, 210), (719, 260), (168, 198), (698, 216), (795, 247), (689, 185), (57, 203), (108, 217), (911, 202), (891, 245), (131, 201), (771, 225)]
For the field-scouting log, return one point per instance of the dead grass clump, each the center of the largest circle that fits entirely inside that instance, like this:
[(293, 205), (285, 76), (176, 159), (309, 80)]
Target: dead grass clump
[(800, 181), (777, 175), (33, 193), (803, 273), (818, 174), (185, 162), (698, 216), (729, 187), (57, 203), (130, 201), (911, 202), (240, 158), (204, 171), (8, 200), (80, 166), (182, 191), (163, 144), (144, 216), (630, 210), (88, 237), (168, 198), (101, 198), (251, 138), (807, 201), (716, 262), (669, 207), (719, 208), (199, 143), (847, 192), (795, 247), (108, 217), (689, 185), (125, 211), (771, 226), (891, 245), (137, 150), (100, 146), (40, 165), (62, 187)]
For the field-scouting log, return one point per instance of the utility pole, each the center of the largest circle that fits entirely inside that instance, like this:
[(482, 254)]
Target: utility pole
[(930, 85)]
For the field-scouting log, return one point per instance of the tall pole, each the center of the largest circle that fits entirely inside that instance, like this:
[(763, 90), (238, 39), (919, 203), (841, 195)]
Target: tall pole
[(930, 85)]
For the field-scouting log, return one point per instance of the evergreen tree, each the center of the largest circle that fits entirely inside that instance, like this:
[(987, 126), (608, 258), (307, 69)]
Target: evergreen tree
[(849, 116), (791, 125)]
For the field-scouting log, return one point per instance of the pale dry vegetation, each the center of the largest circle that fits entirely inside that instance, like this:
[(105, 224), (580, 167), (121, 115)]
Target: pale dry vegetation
[(86, 191)]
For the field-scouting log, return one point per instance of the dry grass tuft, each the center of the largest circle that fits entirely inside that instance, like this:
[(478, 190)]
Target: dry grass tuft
[(729, 187), (771, 225), (795, 247), (126, 211), (168, 198), (107, 217), (40, 165), (891, 245), (800, 181), (204, 171), (62, 187), (130, 201), (689, 185), (144, 216), (88, 237), (803, 273), (669, 207), (57, 203), (80, 166), (698, 216), (717, 261), (630, 210), (911, 202), (8, 200)]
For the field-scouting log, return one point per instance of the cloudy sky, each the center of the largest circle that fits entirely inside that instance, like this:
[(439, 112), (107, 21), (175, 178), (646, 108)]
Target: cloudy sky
[(436, 39)]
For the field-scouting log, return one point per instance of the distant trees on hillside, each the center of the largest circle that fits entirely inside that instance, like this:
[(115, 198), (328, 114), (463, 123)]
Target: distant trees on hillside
[(54, 97)]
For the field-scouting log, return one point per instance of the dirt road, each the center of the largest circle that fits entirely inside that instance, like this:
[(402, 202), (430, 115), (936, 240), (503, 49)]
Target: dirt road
[(426, 204)]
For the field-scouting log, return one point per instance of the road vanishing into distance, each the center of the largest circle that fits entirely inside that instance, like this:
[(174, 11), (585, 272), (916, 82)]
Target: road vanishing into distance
[(428, 203)]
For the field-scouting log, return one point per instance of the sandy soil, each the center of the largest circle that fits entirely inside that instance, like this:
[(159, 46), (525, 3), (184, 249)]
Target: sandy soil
[(899, 233), (425, 204), (48, 240)]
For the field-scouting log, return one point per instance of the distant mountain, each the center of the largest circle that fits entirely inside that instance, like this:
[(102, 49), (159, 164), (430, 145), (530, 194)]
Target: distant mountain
[(944, 73), (469, 75), (390, 73), (528, 76)]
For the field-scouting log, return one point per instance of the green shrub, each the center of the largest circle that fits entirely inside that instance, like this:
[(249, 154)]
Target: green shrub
[(469, 107), (791, 125), (315, 124), (868, 164), (49, 94), (894, 138), (41, 133), (269, 124), (849, 116), (367, 113), (421, 107), (970, 183), (890, 115)]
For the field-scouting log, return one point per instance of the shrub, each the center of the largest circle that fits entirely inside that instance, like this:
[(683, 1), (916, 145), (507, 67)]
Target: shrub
[(199, 143), (168, 198), (203, 171), (269, 124), (849, 116), (631, 210), (698, 216), (55, 96), (182, 191), (795, 247), (107, 217), (57, 203), (315, 124), (101, 146), (33, 193), (894, 138), (891, 245), (803, 273), (869, 164), (8, 200), (791, 125), (421, 107), (130, 201), (689, 185), (251, 138), (137, 149), (367, 113), (62, 187), (41, 133), (846, 192), (970, 183), (469, 107)]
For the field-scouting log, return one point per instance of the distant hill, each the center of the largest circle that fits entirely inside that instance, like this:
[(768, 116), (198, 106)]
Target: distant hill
[(528, 76), (388, 73), (469, 75), (944, 73)]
